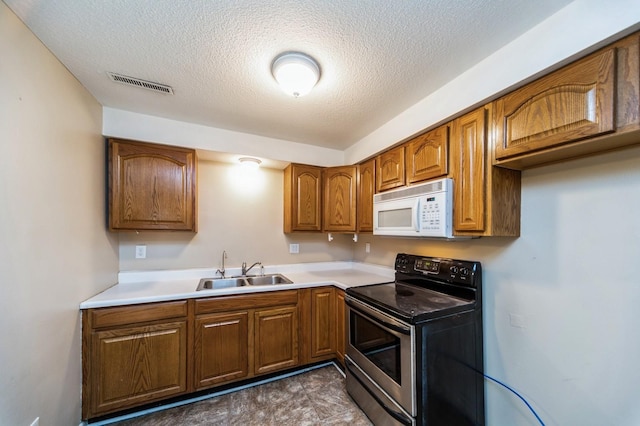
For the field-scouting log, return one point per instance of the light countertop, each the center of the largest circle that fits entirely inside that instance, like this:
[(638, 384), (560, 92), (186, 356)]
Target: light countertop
[(135, 287)]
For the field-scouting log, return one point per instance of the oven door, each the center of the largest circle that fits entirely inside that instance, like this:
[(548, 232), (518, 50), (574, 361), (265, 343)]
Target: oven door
[(383, 349)]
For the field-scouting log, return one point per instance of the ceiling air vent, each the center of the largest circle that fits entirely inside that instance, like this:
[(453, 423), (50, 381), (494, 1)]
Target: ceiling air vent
[(132, 81)]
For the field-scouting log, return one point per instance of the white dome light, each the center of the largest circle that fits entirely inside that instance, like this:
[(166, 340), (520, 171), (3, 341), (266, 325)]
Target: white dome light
[(296, 73)]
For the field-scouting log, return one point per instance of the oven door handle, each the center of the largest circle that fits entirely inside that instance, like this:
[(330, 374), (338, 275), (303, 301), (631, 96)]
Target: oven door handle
[(366, 312)]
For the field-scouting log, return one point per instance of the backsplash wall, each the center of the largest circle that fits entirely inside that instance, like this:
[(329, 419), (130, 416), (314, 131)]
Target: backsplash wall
[(237, 212)]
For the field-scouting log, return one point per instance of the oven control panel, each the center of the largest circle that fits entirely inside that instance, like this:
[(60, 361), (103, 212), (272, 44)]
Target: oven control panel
[(450, 270)]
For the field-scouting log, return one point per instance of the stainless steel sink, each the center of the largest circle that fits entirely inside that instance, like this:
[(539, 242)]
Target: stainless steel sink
[(241, 281), (269, 279), (214, 283)]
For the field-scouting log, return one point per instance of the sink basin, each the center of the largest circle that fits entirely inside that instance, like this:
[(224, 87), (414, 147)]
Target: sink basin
[(268, 279), (241, 281), (213, 283)]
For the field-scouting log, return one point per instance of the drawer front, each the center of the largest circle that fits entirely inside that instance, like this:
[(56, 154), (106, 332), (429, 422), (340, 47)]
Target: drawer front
[(248, 301), (131, 314)]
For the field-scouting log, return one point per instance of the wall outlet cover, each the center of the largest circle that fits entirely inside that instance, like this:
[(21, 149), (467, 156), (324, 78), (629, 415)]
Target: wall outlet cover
[(294, 248), (141, 252)]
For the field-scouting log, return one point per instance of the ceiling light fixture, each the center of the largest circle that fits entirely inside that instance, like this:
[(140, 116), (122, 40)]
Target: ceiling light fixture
[(296, 73), (250, 162)]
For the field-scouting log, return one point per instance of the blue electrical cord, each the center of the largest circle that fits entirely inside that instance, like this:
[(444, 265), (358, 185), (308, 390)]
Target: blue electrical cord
[(516, 394)]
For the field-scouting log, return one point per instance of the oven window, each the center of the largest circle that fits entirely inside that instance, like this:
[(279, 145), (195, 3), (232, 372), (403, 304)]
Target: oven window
[(400, 218), (377, 344)]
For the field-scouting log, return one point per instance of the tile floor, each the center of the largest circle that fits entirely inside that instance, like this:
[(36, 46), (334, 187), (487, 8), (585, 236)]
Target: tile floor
[(316, 397)]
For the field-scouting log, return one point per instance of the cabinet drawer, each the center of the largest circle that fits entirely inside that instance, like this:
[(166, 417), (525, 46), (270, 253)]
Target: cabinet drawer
[(574, 103), (124, 315), (248, 301)]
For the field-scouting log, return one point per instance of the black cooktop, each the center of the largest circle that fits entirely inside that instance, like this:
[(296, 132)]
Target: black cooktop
[(410, 302), (425, 288)]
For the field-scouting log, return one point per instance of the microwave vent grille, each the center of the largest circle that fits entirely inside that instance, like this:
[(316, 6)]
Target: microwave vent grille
[(411, 191)]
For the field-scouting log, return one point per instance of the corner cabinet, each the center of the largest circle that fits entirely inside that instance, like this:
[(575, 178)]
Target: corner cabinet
[(486, 198), (133, 355), (302, 198), (151, 187), (340, 184)]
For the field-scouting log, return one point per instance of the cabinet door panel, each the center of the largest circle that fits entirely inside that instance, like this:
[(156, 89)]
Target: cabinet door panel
[(366, 189), (302, 198), (568, 105), (276, 339), (340, 199), (468, 146), (427, 156), (390, 169), (151, 187), (323, 322), (340, 325), (137, 365), (221, 348)]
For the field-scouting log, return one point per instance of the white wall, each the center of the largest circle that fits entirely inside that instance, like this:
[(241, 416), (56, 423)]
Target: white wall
[(54, 250), (239, 213), (561, 301)]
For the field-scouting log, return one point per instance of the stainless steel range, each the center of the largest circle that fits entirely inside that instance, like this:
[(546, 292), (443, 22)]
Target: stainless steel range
[(414, 346)]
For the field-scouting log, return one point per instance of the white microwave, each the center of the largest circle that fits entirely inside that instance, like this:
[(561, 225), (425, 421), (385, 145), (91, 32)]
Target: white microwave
[(424, 210)]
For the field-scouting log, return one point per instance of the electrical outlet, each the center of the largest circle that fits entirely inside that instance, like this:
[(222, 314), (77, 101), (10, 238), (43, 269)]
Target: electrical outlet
[(367, 248), (294, 248), (36, 422), (141, 252)]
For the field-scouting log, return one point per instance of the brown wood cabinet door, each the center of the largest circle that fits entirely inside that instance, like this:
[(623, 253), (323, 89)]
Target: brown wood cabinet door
[(573, 103), (340, 198), (426, 156), (366, 190), (276, 339), (302, 198), (341, 335), (221, 348), (468, 146), (323, 322), (136, 365), (151, 187), (390, 169)]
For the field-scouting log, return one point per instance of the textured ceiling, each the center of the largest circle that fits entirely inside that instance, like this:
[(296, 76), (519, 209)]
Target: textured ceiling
[(377, 58)]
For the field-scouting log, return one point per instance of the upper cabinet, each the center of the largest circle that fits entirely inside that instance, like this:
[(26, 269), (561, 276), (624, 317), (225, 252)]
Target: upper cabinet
[(486, 198), (573, 103), (426, 156), (340, 199), (589, 106), (366, 189), (390, 169), (151, 187), (302, 198)]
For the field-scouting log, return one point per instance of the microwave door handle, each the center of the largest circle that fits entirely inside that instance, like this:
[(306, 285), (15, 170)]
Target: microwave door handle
[(416, 217)]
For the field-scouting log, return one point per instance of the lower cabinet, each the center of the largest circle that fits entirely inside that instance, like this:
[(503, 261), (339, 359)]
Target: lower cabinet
[(133, 355), (276, 339), (221, 348), (341, 332), (139, 354)]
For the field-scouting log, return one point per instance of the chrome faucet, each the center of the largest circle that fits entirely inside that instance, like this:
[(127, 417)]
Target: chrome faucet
[(221, 271), (245, 269)]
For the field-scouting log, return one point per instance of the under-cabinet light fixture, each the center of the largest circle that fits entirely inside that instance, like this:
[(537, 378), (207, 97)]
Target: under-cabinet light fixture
[(295, 72), (249, 162)]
